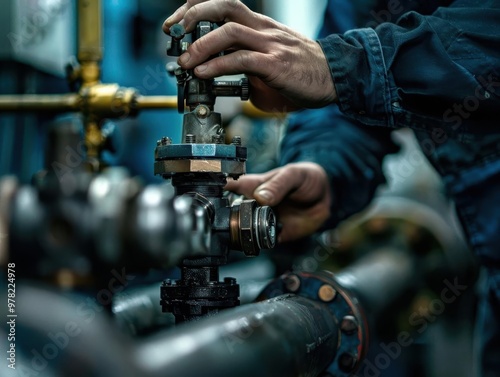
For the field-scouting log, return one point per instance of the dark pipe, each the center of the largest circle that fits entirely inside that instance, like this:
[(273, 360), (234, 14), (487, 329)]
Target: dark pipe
[(66, 335), (380, 278), (137, 311), (284, 336)]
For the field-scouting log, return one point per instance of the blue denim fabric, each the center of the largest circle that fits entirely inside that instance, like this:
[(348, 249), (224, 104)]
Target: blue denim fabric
[(436, 71), (439, 75), (349, 152)]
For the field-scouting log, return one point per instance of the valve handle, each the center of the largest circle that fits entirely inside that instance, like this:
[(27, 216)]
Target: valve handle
[(175, 46)]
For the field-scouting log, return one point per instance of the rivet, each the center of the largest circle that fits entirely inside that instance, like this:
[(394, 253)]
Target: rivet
[(326, 293)]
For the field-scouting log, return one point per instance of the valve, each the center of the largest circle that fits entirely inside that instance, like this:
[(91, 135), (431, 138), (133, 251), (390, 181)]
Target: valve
[(192, 91), (199, 168)]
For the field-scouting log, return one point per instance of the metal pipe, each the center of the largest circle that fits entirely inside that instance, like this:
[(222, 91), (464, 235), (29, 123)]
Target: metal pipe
[(155, 102), (137, 311), (381, 277), (72, 102), (89, 31), (40, 102), (67, 335), (285, 336)]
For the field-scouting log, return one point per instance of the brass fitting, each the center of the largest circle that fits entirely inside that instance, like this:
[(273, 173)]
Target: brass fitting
[(107, 101)]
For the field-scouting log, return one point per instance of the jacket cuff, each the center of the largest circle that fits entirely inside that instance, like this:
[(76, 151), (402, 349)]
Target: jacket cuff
[(360, 76)]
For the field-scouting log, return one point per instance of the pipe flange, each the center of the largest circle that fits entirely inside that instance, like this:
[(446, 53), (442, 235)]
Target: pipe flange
[(344, 306), (220, 151)]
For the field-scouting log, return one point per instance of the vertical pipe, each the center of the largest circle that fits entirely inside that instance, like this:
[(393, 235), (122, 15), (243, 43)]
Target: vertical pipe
[(90, 41), (89, 30), (90, 55)]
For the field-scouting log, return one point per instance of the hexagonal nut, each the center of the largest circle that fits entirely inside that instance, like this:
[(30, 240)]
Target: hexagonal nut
[(246, 223)]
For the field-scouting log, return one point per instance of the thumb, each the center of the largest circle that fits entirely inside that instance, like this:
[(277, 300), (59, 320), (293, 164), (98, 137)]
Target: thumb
[(274, 190)]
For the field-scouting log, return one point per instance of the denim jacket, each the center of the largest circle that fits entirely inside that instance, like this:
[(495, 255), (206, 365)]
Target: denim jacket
[(433, 67), (438, 74)]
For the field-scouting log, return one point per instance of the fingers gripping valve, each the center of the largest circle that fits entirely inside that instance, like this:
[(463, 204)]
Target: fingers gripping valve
[(192, 91)]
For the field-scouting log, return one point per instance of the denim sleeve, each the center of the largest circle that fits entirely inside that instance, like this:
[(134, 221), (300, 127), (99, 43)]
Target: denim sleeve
[(424, 72), (351, 155)]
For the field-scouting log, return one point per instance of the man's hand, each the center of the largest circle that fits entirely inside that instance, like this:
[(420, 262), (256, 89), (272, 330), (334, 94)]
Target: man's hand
[(286, 70), (299, 193)]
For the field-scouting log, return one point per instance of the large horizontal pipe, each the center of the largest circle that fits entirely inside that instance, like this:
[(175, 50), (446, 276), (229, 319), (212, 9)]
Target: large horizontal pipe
[(285, 336), (288, 335)]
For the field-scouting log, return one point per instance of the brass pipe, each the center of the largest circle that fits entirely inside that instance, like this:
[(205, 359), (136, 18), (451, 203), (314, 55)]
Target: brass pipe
[(89, 31), (155, 102), (94, 141), (89, 41), (75, 102), (89, 56), (40, 103)]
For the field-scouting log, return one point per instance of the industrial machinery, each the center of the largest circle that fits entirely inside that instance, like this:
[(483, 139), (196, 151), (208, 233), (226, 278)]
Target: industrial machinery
[(199, 167), (81, 241)]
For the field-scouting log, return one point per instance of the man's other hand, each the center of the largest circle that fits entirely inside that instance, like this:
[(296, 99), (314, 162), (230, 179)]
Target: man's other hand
[(299, 193)]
